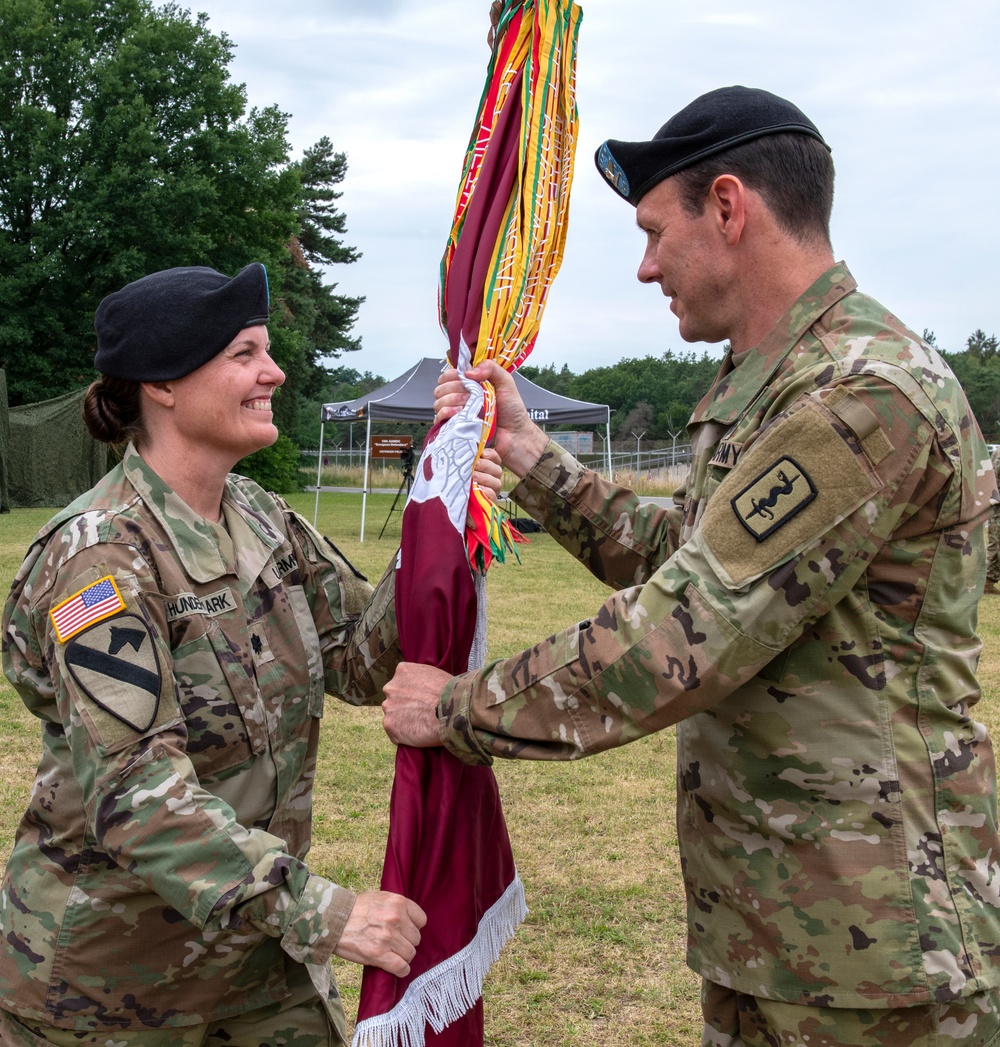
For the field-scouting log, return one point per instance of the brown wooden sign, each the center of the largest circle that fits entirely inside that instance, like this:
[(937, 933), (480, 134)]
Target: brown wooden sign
[(389, 446)]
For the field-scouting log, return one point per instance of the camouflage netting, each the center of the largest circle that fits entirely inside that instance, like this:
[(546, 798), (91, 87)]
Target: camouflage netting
[(4, 443), (49, 458)]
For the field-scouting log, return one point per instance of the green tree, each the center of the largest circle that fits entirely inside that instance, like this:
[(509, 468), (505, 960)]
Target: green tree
[(977, 367), (671, 385), (548, 377), (276, 468), (637, 424), (342, 383), (312, 323), (124, 148), (981, 346), (320, 169)]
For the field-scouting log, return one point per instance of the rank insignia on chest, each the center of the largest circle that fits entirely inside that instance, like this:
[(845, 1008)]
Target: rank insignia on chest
[(262, 653), (773, 498)]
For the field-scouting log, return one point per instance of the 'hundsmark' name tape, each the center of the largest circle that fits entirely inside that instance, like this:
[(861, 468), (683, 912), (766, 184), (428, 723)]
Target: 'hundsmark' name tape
[(186, 604)]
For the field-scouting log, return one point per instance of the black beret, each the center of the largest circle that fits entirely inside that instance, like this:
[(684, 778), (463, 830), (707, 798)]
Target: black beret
[(713, 123), (166, 325)]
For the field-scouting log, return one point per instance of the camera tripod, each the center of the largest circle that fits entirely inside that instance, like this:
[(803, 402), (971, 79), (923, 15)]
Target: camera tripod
[(406, 457)]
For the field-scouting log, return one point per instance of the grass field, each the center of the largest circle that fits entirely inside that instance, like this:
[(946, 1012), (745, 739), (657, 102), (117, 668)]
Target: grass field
[(600, 959)]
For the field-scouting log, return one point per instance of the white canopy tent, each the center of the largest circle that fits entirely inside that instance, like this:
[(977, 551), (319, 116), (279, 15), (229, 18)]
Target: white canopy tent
[(410, 398)]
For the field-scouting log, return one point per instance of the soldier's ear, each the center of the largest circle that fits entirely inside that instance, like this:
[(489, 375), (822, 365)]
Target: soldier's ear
[(161, 393), (727, 201)]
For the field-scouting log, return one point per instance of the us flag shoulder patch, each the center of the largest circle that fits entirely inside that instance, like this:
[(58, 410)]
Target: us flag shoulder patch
[(94, 603)]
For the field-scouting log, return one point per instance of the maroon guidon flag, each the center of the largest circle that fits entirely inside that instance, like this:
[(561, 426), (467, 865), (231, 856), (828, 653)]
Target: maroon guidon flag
[(448, 848)]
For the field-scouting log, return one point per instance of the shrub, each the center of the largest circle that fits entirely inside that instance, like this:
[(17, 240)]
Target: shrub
[(276, 468)]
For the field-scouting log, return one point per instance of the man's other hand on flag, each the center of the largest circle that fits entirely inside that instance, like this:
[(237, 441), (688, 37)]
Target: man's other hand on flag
[(383, 931), (409, 712)]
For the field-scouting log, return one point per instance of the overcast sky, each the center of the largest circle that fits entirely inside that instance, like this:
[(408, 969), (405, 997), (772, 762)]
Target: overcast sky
[(906, 93)]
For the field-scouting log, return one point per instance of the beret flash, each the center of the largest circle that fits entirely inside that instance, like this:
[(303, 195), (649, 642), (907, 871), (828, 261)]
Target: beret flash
[(166, 325), (711, 124)]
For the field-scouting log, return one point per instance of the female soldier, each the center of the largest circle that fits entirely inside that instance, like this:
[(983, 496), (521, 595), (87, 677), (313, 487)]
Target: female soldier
[(175, 630)]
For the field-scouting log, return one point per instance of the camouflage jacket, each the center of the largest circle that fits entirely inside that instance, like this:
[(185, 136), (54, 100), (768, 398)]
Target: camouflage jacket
[(806, 615), (179, 670)]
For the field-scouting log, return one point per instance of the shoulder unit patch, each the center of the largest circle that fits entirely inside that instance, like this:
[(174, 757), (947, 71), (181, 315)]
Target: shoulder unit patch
[(807, 477), (773, 498), (116, 666)]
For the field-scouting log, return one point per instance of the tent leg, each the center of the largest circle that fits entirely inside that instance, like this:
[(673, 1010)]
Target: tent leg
[(319, 473), (607, 444), (364, 492)]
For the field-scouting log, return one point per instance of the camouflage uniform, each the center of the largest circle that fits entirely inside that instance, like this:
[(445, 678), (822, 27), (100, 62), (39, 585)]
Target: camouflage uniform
[(993, 537), (158, 876), (806, 615)]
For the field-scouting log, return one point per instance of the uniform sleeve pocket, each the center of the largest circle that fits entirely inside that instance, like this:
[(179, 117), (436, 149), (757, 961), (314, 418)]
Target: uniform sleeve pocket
[(800, 480)]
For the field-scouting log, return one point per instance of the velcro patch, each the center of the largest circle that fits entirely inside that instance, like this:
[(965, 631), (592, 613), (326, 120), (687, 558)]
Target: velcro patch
[(861, 421), (771, 500), (93, 603), (807, 478), (115, 664)]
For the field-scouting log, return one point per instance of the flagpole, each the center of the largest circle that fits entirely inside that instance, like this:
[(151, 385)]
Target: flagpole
[(364, 492), (607, 446), (319, 472)]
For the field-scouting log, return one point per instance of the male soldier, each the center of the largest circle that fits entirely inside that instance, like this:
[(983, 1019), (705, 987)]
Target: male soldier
[(805, 614)]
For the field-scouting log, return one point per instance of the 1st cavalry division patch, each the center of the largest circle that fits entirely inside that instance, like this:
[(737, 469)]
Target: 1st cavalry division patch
[(115, 664), (770, 501)]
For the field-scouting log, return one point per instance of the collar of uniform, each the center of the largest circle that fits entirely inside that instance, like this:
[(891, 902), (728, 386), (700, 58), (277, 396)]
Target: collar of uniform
[(253, 535), (193, 538), (752, 369)]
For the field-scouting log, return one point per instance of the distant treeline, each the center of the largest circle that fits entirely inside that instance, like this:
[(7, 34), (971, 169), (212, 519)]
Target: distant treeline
[(977, 367), (654, 396)]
